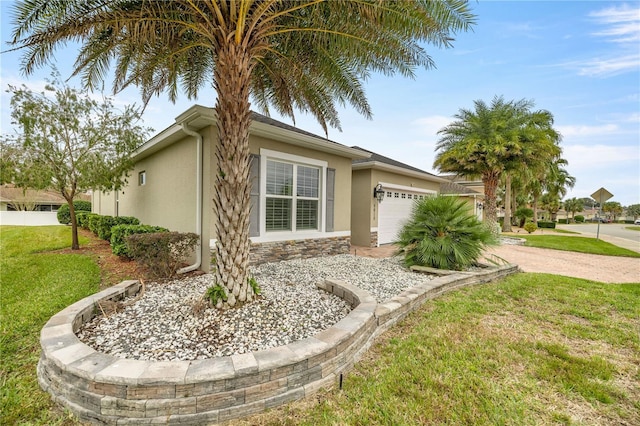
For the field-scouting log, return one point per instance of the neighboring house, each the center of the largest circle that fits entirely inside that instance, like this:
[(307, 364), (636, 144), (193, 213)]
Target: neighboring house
[(384, 192), (300, 197), (19, 199), (474, 199)]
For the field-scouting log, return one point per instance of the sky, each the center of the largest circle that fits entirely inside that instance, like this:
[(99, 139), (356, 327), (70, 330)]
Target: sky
[(580, 60)]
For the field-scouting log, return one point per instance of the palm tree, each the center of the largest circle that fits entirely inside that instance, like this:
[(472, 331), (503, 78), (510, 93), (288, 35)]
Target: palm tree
[(493, 140), (308, 55), (442, 233), (573, 205)]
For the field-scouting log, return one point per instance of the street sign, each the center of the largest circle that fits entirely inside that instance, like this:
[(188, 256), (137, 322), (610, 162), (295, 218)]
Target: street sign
[(601, 195)]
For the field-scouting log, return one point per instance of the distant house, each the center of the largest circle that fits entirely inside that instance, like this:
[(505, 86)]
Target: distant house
[(300, 196), (19, 199)]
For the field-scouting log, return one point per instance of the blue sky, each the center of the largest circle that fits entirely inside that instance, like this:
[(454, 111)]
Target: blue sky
[(578, 59)]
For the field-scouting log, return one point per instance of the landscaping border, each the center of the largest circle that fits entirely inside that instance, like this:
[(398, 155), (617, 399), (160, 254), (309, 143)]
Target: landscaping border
[(104, 389)]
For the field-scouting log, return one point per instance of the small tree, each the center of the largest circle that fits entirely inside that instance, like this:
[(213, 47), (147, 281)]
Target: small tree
[(443, 233), (634, 211), (613, 208), (69, 142), (574, 205), (523, 213)]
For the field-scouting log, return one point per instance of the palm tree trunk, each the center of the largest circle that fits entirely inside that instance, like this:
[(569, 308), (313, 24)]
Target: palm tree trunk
[(506, 225), (535, 209), (490, 181), (232, 190)]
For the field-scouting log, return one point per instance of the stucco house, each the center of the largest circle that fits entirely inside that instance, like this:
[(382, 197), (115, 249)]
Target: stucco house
[(300, 197), (384, 191)]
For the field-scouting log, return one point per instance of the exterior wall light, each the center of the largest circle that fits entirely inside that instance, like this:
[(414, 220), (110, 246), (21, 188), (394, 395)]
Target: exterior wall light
[(378, 192)]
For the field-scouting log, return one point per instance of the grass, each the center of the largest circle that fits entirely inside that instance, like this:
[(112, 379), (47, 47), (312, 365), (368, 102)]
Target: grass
[(565, 231), (533, 349), (581, 245), (35, 286), (632, 228)]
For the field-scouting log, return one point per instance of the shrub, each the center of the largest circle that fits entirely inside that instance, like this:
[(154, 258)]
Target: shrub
[(83, 219), (64, 216), (563, 221), (161, 252), (107, 222), (92, 223), (442, 233), (530, 227), (523, 213), (119, 234), (579, 218), (546, 224)]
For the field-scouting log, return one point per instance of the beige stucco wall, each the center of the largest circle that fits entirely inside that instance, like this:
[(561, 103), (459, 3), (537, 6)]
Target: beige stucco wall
[(361, 207), (364, 211)]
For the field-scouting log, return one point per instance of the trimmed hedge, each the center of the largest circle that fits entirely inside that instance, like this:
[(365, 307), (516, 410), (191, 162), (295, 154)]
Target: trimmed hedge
[(563, 221), (105, 223), (162, 252), (546, 224), (92, 223), (83, 219), (119, 234), (579, 218), (64, 216)]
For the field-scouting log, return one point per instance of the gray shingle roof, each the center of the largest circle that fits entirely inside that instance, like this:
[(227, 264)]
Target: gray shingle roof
[(386, 160)]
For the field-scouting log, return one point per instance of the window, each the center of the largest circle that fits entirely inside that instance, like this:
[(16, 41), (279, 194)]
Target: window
[(142, 178), (292, 196)]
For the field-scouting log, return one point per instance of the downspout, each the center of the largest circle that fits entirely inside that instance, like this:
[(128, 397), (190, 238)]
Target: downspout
[(199, 178)]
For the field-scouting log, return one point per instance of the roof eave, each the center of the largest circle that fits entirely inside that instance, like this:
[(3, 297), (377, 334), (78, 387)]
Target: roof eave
[(395, 169)]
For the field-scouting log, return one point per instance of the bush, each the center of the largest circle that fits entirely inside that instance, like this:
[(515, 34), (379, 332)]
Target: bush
[(161, 252), (442, 233), (563, 221), (523, 213), (530, 227), (579, 218), (119, 234), (105, 224), (92, 223), (64, 216), (83, 219), (546, 224)]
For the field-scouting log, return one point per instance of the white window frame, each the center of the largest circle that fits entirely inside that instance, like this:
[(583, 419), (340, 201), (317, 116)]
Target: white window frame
[(142, 178), (266, 236)]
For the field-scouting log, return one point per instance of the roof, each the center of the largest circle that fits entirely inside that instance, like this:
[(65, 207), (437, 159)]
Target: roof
[(380, 161), (198, 117), (450, 188), (10, 193)]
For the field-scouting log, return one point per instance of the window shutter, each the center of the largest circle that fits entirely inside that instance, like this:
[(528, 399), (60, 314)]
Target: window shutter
[(331, 183), (254, 216)]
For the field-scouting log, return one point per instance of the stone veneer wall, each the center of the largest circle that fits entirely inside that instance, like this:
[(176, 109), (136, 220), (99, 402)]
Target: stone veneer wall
[(374, 239), (298, 249), (104, 389)]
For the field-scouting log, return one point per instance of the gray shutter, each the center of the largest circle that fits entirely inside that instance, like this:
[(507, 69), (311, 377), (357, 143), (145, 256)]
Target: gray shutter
[(254, 216), (331, 183)]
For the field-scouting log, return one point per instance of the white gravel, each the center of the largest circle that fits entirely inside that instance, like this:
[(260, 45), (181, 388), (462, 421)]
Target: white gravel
[(164, 326)]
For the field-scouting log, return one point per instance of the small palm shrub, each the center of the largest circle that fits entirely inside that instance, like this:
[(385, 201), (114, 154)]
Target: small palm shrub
[(443, 233), (523, 213)]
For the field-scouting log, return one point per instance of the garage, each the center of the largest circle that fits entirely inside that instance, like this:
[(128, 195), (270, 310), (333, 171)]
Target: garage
[(395, 208)]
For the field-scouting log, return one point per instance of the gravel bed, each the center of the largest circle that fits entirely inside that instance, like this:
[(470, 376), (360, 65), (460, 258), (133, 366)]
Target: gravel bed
[(166, 325)]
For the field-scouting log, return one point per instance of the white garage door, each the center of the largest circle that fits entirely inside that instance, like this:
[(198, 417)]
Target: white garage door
[(394, 210)]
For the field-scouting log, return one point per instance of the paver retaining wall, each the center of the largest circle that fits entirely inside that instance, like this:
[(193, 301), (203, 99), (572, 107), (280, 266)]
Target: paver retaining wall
[(104, 389)]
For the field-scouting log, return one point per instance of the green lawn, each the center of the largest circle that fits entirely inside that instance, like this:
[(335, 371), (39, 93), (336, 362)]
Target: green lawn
[(632, 228), (578, 244), (533, 349), (35, 285)]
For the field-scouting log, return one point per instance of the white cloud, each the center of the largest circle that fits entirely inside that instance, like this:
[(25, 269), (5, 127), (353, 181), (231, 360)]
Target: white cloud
[(583, 130), (432, 124), (608, 67), (623, 23), (592, 157)]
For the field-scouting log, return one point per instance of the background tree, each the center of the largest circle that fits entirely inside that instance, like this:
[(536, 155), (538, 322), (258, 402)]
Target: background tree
[(307, 55), (634, 211), (494, 139), (573, 206), (613, 209), (69, 142), (551, 204)]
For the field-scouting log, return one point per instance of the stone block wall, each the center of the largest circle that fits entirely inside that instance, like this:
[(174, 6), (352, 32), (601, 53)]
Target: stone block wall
[(104, 389), (298, 249)]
